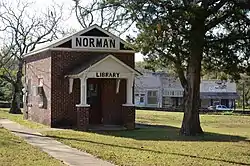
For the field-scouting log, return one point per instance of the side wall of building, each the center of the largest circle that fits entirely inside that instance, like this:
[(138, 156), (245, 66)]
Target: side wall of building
[(38, 100), (64, 103)]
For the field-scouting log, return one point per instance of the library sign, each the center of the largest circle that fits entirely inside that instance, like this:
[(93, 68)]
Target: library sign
[(107, 75), (94, 42)]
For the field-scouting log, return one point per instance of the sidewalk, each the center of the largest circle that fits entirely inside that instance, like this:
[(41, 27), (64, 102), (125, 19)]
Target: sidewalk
[(68, 155)]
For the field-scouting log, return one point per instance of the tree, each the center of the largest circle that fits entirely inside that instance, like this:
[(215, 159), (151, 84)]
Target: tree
[(21, 31), (191, 35), (109, 17), (243, 88), (5, 90)]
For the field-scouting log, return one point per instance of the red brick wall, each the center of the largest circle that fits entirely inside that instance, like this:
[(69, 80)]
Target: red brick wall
[(63, 105), (39, 66)]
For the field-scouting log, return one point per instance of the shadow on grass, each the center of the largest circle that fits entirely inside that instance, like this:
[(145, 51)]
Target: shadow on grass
[(62, 138), (170, 133)]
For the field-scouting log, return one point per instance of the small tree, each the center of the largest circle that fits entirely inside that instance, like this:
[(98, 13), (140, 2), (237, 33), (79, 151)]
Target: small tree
[(21, 31)]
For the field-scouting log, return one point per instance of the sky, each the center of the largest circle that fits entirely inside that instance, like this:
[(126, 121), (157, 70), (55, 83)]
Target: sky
[(69, 15)]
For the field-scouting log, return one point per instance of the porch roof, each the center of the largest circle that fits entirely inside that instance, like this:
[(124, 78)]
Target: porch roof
[(86, 65), (219, 95)]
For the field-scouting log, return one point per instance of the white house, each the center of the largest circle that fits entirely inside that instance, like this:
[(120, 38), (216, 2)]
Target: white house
[(161, 90)]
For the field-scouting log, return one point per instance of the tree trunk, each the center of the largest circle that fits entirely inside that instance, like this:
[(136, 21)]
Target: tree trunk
[(17, 92), (191, 119)]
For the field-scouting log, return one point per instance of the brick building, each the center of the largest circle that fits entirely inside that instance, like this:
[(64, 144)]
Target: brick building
[(82, 80)]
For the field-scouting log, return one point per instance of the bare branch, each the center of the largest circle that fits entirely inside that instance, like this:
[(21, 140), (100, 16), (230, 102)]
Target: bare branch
[(108, 17)]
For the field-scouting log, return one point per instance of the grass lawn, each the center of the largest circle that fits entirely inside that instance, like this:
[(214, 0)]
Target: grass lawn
[(15, 152), (19, 119), (226, 141)]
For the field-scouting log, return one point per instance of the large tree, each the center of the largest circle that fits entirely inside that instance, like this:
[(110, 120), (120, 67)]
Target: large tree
[(191, 35), (243, 88), (21, 30), (109, 17)]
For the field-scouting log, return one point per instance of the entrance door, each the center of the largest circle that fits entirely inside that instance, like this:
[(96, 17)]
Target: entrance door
[(112, 101), (94, 100)]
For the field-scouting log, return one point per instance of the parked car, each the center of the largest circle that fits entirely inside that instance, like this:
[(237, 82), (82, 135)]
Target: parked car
[(211, 108), (219, 108)]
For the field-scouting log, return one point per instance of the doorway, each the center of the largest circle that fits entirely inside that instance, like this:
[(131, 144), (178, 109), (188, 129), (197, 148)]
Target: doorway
[(112, 101), (105, 102), (94, 100)]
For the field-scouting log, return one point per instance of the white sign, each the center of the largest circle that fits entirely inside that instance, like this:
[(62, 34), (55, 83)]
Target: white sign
[(107, 74), (94, 42)]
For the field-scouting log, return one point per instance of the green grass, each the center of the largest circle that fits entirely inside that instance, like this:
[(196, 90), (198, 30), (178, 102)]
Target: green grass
[(226, 141), (19, 119), (15, 152)]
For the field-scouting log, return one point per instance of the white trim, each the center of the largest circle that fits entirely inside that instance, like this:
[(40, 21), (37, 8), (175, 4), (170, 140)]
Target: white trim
[(128, 105), (90, 74), (114, 58), (71, 82), (118, 85), (95, 26), (129, 88), (82, 105), (88, 50), (56, 43), (77, 49), (36, 52)]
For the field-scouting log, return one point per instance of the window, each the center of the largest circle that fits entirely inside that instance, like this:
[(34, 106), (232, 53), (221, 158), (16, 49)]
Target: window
[(141, 99), (152, 97), (136, 94), (166, 101)]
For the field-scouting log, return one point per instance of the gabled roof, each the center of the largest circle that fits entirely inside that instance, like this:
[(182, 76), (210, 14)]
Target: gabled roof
[(88, 65), (147, 81), (58, 42)]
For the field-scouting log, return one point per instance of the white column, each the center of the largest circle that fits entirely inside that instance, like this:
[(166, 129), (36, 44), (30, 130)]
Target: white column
[(71, 81), (129, 101), (83, 94)]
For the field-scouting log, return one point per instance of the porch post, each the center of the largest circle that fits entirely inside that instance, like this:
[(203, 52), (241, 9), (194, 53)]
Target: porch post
[(83, 96), (128, 109), (83, 108), (129, 100)]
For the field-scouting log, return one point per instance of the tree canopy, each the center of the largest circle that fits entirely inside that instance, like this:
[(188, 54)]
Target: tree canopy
[(213, 35)]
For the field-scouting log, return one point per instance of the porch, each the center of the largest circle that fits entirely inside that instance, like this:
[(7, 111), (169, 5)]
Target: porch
[(106, 94)]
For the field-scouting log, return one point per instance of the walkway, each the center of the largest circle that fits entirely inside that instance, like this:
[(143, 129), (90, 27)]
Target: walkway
[(68, 155)]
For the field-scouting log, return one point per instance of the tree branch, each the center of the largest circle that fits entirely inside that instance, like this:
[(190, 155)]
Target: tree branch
[(217, 7), (218, 20)]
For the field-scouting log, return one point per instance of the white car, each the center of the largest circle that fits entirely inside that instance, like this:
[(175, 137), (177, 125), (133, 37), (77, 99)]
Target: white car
[(219, 108)]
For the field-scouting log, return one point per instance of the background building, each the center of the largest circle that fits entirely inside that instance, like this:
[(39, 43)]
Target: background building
[(161, 90), (214, 92)]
